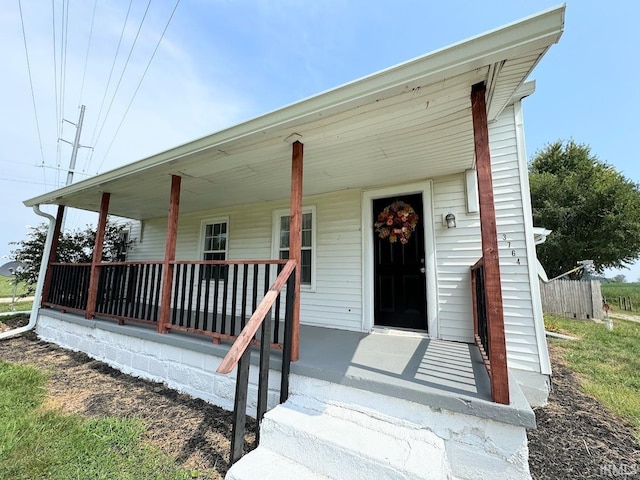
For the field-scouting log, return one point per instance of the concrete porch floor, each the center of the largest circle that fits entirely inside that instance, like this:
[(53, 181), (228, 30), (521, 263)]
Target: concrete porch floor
[(394, 358), (437, 373)]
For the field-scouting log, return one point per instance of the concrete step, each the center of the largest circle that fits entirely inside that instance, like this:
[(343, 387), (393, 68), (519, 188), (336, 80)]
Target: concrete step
[(341, 443), (265, 464)]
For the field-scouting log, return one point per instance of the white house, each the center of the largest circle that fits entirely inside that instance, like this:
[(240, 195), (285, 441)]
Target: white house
[(418, 349)]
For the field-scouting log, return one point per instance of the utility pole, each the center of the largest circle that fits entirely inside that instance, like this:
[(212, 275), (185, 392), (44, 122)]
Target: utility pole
[(76, 146), (74, 152)]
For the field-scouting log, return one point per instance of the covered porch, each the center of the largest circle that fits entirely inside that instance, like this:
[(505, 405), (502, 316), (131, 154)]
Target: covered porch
[(423, 119)]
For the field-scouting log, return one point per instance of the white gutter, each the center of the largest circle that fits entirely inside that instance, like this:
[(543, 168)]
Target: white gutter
[(33, 318)]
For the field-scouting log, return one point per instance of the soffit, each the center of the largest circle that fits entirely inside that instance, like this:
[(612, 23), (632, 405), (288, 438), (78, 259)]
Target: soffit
[(410, 122)]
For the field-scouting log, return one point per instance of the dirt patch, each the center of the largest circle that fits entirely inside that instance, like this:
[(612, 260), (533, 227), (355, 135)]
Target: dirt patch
[(195, 433), (9, 323), (625, 316), (577, 437)]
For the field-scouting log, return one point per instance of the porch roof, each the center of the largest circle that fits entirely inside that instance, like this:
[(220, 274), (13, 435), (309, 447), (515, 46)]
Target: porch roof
[(407, 122)]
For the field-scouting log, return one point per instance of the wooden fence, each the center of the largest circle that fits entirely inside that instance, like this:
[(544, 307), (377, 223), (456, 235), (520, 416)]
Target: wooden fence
[(572, 298), (623, 303)]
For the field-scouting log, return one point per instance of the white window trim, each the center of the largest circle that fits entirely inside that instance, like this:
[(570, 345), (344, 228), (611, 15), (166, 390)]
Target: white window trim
[(207, 221), (275, 241)]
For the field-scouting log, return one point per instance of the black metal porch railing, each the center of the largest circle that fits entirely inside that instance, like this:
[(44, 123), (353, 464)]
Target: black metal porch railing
[(217, 298), (129, 291), (480, 321), (70, 283), (488, 327), (211, 298)]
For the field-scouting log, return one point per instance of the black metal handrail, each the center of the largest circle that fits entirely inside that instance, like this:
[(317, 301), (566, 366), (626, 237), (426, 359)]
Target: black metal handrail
[(240, 355)]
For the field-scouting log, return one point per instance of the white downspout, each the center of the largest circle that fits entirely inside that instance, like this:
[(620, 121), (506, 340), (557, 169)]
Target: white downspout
[(33, 318)]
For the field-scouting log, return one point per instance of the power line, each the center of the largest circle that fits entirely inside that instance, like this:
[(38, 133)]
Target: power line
[(58, 156), (17, 180), (60, 83), (55, 66), (61, 73), (86, 57), (33, 96), (63, 55), (106, 90), (124, 68), (139, 83)]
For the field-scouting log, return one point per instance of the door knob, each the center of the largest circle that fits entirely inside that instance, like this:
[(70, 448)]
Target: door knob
[(422, 270)]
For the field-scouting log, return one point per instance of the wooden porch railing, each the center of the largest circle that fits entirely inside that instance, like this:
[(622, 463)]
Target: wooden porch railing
[(482, 331), (240, 355), (211, 298)]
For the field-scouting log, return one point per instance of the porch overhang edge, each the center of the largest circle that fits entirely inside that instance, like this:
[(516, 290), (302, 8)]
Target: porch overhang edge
[(539, 30)]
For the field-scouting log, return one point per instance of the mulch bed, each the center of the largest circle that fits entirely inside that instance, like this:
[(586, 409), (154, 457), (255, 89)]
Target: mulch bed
[(576, 438)]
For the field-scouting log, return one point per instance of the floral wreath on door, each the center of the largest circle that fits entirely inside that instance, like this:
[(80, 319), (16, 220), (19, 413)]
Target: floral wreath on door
[(397, 222)]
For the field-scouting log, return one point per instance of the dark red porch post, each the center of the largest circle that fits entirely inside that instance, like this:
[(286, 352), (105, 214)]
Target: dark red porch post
[(295, 239), (495, 314), (169, 254), (46, 288), (97, 257)]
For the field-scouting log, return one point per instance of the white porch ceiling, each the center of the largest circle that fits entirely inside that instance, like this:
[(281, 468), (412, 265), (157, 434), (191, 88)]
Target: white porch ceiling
[(406, 123)]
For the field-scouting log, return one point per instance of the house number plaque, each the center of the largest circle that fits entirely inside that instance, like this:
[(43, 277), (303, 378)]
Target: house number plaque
[(513, 251)]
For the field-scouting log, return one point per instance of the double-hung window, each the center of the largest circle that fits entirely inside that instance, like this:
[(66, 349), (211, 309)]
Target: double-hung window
[(281, 220), (215, 245)]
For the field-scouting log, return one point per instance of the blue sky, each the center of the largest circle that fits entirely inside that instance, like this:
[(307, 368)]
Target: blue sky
[(222, 62)]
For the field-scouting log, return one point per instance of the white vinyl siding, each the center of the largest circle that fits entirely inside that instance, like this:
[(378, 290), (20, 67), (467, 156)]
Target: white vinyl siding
[(336, 301), (457, 249), (522, 348)]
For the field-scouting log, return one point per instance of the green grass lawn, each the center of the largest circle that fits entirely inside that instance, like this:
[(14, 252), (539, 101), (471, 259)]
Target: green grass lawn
[(6, 287), (6, 291), (607, 363), (18, 307), (40, 443)]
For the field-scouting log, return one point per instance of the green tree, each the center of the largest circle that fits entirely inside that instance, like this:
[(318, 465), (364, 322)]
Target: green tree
[(593, 210), (74, 246)]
